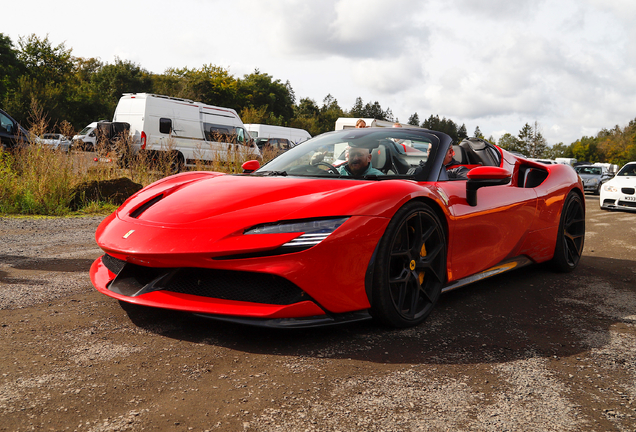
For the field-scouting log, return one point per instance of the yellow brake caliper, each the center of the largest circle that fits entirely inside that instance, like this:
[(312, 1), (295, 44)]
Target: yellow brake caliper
[(422, 254)]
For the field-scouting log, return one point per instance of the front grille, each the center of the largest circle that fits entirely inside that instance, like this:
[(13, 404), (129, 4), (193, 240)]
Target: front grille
[(628, 191), (251, 287), (234, 285), (627, 203)]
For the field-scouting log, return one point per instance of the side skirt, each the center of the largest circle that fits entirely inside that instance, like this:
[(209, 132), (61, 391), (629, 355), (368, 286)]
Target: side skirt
[(502, 267)]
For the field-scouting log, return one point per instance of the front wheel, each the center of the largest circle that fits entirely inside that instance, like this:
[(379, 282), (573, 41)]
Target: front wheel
[(571, 235), (411, 267)]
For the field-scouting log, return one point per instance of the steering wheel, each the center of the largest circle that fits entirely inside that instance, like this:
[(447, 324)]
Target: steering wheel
[(330, 168)]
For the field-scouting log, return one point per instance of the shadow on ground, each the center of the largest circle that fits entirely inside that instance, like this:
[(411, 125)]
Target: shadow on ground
[(527, 313)]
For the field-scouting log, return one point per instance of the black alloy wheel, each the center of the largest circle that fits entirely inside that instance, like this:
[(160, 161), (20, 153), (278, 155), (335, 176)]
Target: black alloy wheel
[(571, 234), (411, 267)]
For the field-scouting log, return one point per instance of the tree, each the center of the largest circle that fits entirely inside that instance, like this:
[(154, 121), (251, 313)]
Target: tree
[(10, 66), (509, 142), (557, 150), (444, 125), (370, 110), (261, 90), (414, 120), (113, 80), (462, 133), (46, 79), (477, 133), (532, 142)]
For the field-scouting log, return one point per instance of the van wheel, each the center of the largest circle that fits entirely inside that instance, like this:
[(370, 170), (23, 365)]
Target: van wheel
[(177, 162)]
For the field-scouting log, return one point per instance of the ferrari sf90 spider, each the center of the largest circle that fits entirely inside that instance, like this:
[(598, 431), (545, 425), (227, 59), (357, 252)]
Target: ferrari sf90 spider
[(312, 239)]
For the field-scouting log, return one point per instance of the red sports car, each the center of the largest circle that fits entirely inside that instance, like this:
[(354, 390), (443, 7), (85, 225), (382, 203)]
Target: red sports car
[(300, 242)]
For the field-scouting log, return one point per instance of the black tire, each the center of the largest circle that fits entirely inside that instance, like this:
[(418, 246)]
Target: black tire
[(177, 162), (411, 267), (571, 235)]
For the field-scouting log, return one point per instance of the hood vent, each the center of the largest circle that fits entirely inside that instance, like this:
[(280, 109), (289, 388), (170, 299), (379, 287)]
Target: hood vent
[(145, 206)]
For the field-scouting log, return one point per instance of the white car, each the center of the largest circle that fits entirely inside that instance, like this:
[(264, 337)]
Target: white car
[(55, 141), (620, 192)]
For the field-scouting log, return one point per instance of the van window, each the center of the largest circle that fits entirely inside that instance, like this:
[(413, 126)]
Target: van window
[(165, 125), (240, 135), (218, 133)]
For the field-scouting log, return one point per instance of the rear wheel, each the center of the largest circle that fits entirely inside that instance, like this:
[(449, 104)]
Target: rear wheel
[(410, 268), (571, 235)]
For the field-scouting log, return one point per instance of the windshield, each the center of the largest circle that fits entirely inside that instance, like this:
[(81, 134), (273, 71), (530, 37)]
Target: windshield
[(371, 153), (86, 130), (627, 170)]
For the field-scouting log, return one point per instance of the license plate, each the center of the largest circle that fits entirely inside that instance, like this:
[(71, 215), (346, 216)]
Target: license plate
[(630, 198)]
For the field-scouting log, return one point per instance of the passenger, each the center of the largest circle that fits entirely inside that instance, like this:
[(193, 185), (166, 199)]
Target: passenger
[(396, 124), (361, 124), (358, 163), (454, 172)]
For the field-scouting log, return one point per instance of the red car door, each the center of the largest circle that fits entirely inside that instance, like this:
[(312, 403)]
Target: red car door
[(484, 235)]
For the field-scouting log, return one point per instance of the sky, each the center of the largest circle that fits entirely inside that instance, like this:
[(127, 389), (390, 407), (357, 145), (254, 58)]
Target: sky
[(569, 65)]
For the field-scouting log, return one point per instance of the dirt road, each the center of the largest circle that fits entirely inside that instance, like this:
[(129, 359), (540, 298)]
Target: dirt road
[(526, 351)]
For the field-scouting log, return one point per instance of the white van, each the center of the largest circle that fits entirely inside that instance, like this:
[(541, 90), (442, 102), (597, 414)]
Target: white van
[(262, 133), (86, 138), (565, 161), (350, 123), (192, 130)]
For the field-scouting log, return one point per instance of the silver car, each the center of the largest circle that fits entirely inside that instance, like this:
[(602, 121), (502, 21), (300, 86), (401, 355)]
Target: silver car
[(593, 177), (55, 141)]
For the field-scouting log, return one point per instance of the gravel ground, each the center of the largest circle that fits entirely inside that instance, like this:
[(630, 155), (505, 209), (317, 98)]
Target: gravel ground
[(525, 351)]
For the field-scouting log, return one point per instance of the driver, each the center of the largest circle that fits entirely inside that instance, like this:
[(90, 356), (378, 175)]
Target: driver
[(358, 163)]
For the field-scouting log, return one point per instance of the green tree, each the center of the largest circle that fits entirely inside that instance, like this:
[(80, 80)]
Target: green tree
[(261, 90), (557, 150), (462, 133), (414, 120), (45, 82), (113, 80), (370, 110), (210, 84), (477, 133), (532, 142), (445, 125), (511, 143), (10, 66)]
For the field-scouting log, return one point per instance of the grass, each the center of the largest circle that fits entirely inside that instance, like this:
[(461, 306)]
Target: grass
[(36, 180)]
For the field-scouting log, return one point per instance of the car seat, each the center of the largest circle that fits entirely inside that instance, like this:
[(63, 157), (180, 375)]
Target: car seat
[(380, 159)]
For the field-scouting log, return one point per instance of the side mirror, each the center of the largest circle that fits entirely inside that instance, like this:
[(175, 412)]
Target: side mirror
[(250, 166), (484, 176)]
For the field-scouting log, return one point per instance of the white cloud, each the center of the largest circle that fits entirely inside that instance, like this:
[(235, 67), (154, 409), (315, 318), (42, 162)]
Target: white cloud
[(570, 65)]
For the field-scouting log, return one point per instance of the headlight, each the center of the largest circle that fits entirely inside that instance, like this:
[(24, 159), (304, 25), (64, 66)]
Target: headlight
[(313, 231), (610, 188)]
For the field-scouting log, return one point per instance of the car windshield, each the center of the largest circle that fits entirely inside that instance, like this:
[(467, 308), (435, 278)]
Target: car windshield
[(86, 130), (627, 170), (400, 152), (589, 170)]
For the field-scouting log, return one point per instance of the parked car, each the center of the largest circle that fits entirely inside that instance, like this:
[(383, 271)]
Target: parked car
[(619, 193), (296, 243), (593, 177), (274, 145), (293, 136), (55, 141), (11, 133)]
